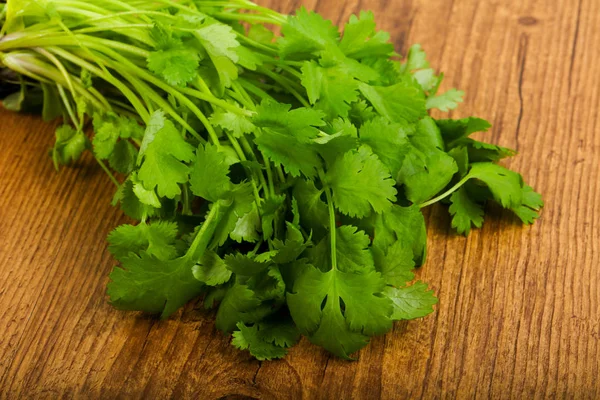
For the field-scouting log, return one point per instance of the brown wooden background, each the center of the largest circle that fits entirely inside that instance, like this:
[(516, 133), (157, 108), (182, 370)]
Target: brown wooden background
[(519, 307)]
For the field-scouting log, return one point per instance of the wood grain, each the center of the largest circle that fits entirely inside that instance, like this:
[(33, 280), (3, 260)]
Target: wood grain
[(518, 315)]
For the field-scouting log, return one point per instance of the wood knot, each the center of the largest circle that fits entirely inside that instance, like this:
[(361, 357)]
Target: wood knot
[(527, 20)]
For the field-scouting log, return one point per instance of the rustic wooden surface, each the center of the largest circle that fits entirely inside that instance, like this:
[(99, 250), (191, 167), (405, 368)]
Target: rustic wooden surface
[(519, 306)]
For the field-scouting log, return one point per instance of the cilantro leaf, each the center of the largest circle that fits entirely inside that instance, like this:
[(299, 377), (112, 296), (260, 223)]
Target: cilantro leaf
[(177, 65), (156, 239), (313, 210), (361, 38), (396, 263), (211, 270), (387, 140), (285, 136), (220, 42), (446, 101), (69, 145), (531, 204), (454, 129), (238, 125), (505, 185), (329, 89), (481, 152), (209, 174), (306, 33), (146, 283), (465, 212), (402, 102), (360, 183), (162, 156), (315, 305), (411, 302), (252, 339), (248, 227)]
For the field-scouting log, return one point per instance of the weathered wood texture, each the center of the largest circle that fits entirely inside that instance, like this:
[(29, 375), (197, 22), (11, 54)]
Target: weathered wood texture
[(519, 307)]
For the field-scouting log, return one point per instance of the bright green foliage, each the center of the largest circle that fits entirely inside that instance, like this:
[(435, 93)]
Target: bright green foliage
[(465, 212), (360, 183), (280, 179), (177, 65), (69, 145), (411, 302)]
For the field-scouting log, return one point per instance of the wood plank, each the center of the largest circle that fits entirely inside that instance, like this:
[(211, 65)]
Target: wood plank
[(519, 306)]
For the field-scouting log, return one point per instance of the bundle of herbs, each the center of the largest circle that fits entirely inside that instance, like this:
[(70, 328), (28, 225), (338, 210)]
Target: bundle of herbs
[(281, 178)]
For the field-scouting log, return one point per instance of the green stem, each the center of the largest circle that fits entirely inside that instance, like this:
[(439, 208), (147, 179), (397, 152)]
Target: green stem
[(286, 85), (105, 168), (446, 193), (204, 235), (68, 107), (332, 224)]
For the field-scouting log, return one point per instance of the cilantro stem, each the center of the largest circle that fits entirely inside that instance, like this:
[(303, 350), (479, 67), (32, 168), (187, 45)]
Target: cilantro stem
[(285, 84), (58, 65), (255, 90), (105, 168), (332, 224), (67, 104), (205, 233), (258, 45), (135, 102), (229, 16), (446, 193)]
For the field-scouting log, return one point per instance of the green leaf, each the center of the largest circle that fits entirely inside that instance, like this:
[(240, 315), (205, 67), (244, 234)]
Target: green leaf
[(306, 33), (532, 202), (69, 145), (156, 239), (402, 102), (454, 129), (285, 137), (465, 212), (209, 174), (281, 331), (237, 306), (315, 305), (360, 184), (248, 227), (329, 89), (211, 270), (252, 339), (396, 264), (313, 211), (146, 283), (361, 39), (411, 302), (123, 157), (234, 206), (220, 42), (177, 65), (109, 128), (481, 152), (270, 211), (446, 101), (425, 175), (131, 204), (505, 185), (403, 224), (245, 265), (387, 140), (416, 59), (237, 124), (164, 152)]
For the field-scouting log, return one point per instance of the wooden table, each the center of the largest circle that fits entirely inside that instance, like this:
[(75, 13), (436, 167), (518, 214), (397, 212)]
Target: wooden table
[(519, 306)]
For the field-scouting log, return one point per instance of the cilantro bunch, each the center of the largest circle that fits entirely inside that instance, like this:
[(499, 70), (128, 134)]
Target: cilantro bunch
[(279, 178)]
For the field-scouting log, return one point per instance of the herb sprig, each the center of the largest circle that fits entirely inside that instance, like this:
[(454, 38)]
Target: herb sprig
[(282, 178)]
